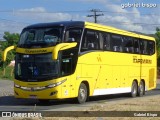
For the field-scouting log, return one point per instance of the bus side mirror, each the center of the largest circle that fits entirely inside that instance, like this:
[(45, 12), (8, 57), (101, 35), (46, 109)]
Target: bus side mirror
[(61, 46), (4, 55)]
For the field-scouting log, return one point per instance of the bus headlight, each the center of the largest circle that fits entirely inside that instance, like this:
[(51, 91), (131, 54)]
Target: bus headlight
[(17, 86), (39, 88), (56, 84), (26, 88)]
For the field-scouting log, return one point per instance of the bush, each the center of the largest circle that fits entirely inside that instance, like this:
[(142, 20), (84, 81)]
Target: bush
[(9, 73)]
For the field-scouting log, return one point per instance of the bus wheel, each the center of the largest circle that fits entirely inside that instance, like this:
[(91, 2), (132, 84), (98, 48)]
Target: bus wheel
[(134, 89), (82, 93), (141, 88)]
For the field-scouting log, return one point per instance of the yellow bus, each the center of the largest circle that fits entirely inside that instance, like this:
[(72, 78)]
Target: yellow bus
[(76, 59)]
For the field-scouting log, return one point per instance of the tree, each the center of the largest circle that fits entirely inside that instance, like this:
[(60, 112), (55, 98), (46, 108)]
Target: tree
[(157, 37), (11, 39)]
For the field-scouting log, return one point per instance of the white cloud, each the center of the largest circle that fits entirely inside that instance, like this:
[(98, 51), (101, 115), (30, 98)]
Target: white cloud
[(36, 9), (136, 14), (115, 8), (121, 22), (12, 27), (40, 14)]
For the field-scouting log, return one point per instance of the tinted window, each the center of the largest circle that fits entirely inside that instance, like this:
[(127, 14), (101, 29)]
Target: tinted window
[(116, 43), (143, 47), (127, 44), (90, 41), (136, 46), (147, 47), (151, 47), (106, 41), (40, 37), (73, 35), (35, 67)]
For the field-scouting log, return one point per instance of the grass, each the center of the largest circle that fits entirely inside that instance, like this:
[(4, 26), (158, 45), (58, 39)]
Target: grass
[(7, 74)]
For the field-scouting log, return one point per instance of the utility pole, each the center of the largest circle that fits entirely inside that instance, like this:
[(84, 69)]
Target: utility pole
[(95, 15)]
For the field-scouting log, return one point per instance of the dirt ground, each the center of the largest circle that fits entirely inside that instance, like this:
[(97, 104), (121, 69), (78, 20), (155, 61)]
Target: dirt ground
[(142, 104)]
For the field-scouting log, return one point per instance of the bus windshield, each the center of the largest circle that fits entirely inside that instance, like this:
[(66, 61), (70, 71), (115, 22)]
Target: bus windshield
[(33, 68), (40, 37)]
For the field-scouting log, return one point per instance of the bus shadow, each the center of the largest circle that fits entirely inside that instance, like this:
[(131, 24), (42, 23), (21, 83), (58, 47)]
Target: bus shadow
[(11, 101)]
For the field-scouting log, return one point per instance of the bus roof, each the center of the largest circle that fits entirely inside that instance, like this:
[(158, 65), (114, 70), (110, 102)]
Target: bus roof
[(63, 23), (91, 26)]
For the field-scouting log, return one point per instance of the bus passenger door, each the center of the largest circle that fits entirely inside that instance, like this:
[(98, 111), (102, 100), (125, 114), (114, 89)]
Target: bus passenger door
[(66, 71)]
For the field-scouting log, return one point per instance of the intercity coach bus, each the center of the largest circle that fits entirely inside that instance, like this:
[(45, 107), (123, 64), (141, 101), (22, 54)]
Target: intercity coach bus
[(76, 59)]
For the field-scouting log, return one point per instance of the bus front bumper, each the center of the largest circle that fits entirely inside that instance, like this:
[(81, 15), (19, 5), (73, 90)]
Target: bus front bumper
[(50, 93)]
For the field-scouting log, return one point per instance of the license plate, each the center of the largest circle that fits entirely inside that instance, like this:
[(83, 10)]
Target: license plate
[(33, 96)]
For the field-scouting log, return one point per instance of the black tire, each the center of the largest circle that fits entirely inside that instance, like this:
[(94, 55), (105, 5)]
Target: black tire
[(141, 89), (82, 94), (134, 89)]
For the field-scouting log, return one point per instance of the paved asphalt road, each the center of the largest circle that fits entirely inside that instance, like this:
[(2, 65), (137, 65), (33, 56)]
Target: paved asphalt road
[(9, 103)]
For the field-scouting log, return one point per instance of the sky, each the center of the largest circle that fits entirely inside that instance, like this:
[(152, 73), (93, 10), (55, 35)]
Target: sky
[(132, 15)]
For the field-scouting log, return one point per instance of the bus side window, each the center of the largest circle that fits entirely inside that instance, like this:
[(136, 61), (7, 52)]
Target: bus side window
[(116, 43), (136, 46), (151, 47), (106, 41), (127, 44), (73, 35), (90, 41), (143, 47)]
